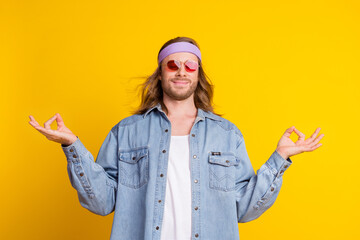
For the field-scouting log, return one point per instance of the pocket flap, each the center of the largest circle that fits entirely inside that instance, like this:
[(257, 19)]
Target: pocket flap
[(134, 155), (224, 159)]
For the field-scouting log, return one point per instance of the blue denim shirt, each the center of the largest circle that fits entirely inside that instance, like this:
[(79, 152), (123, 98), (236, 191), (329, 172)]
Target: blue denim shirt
[(129, 177)]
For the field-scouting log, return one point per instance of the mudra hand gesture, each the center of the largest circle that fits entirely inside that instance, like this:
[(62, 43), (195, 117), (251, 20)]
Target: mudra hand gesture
[(62, 135), (287, 148)]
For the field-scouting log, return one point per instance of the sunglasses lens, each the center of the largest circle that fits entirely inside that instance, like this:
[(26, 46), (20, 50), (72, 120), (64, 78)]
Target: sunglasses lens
[(172, 65), (191, 66)]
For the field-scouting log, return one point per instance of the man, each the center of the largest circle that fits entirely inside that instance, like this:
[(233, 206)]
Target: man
[(175, 170)]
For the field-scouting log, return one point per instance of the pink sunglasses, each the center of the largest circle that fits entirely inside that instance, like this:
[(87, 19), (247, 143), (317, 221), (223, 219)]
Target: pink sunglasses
[(190, 65)]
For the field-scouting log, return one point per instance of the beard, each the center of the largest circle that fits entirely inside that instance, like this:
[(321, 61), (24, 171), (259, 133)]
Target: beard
[(178, 93)]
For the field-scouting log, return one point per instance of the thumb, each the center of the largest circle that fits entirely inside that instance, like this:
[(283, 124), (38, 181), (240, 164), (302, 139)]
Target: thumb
[(59, 120), (289, 131)]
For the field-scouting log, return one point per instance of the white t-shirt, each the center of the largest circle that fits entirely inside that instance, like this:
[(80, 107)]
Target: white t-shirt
[(177, 211)]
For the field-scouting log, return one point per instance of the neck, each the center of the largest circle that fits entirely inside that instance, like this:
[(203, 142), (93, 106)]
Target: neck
[(178, 108)]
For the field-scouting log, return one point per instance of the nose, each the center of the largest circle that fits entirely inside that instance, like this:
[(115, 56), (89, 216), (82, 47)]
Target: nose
[(181, 71)]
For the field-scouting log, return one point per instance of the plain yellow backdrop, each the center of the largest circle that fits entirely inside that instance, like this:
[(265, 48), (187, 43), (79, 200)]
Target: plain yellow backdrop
[(274, 64)]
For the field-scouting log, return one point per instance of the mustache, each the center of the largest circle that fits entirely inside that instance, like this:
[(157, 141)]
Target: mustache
[(180, 79)]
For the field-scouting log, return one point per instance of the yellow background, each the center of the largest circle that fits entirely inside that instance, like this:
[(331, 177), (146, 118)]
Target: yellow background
[(274, 64)]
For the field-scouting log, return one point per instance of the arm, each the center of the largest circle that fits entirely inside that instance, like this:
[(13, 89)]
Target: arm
[(257, 193), (95, 182)]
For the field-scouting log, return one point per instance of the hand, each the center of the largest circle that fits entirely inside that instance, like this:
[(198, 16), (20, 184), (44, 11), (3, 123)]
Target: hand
[(287, 148), (62, 135)]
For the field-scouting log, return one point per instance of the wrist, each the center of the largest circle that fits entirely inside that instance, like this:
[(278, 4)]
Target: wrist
[(282, 154), (73, 139)]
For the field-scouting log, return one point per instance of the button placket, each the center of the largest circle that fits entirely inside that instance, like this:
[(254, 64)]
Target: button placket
[(161, 183), (74, 156), (282, 170), (81, 174), (195, 173)]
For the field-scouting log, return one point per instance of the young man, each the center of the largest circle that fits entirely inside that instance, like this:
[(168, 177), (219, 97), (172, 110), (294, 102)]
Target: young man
[(175, 170)]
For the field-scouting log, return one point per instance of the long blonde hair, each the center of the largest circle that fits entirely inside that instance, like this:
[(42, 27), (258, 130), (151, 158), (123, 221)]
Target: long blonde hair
[(152, 92)]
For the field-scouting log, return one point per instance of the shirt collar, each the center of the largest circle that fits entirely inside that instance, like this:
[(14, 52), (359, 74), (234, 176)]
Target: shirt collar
[(158, 106), (201, 114)]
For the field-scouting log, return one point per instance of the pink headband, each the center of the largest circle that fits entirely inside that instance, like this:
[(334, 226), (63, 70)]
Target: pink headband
[(179, 47)]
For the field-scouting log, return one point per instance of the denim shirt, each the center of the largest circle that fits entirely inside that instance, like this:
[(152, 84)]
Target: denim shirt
[(129, 177)]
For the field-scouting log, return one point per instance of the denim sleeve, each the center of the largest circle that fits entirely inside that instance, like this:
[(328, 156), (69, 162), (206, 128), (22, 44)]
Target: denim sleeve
[(95, 182), (257, 193)]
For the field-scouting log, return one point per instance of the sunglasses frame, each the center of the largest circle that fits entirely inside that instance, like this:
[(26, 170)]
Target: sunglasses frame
[(179, 64)]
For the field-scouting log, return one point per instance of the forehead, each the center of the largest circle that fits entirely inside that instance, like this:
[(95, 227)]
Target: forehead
[(181, 56)]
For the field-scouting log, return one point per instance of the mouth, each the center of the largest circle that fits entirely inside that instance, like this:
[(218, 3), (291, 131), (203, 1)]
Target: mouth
[(180, 82)]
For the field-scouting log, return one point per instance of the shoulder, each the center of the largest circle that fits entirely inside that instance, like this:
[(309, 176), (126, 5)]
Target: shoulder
[(226, 124), (127, 121), (130, 120)]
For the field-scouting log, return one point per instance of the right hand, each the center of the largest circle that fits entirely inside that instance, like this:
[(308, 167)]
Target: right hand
[(62, 135)]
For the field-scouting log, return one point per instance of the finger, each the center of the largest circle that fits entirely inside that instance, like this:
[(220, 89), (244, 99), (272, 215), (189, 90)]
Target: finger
[(300, 134), (47, 133), (310, 139), (37, 126), (48, 122), (59, 120), (315, 147), (33, 122), (316, 140), (288, 131), (42, 130)]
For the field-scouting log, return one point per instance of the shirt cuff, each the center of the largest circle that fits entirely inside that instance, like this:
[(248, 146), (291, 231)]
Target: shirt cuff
[(73, 151), (278, 164)]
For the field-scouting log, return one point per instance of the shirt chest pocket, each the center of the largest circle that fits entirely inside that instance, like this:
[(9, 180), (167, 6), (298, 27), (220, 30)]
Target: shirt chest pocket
[(134, 167), (222, 169)]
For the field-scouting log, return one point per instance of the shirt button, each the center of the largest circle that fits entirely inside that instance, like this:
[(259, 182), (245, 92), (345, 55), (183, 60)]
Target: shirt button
[(71, 150), (159, 201), (164, 151), (157, 227), (194, 156), (193, 135), (161, 175), (227, 161), (196, 181), (285, 166), (196, 235), (133, 158), (81, 174), (74, 156), (166, 130), (196, 208), (272, 189), (281, 171)]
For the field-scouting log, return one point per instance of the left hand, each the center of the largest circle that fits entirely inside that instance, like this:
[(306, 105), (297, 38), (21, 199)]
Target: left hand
[(287, 148)]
